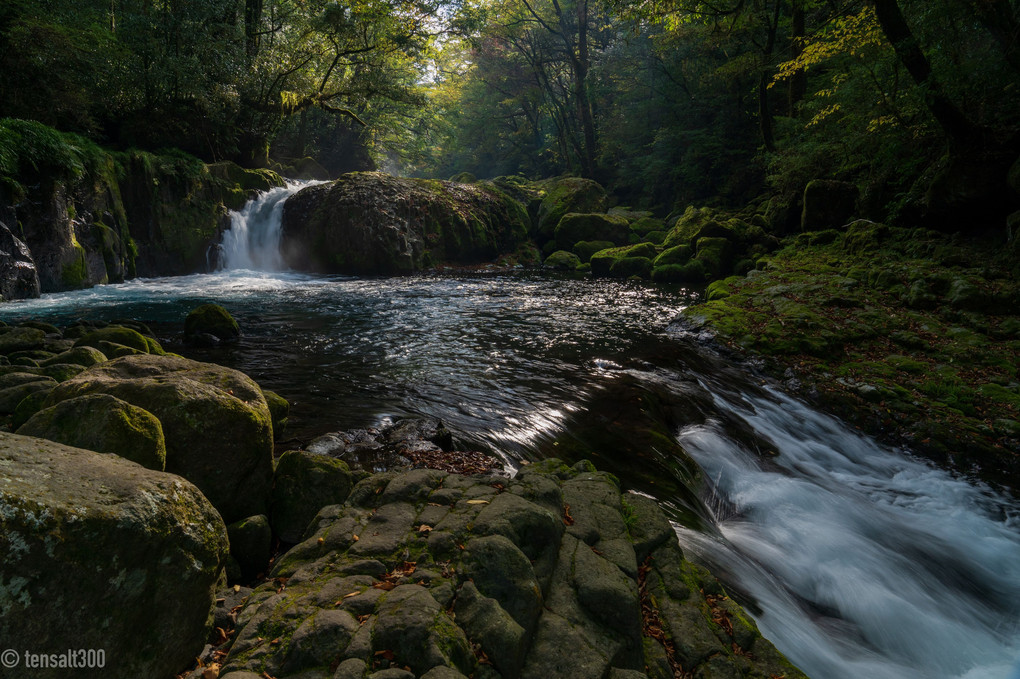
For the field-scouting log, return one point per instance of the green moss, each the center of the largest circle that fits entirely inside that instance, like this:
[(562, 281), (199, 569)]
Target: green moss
[(74, 273), (214, 320), (115, 335), (563, 260)]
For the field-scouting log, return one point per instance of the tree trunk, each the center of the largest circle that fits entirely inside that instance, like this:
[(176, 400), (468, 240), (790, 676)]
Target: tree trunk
[(797, 86), (951, 119), (252, 21), (764, 110)]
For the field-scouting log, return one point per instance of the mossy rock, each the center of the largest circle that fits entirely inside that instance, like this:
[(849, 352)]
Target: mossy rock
[(827, 204), (863, 236), (627, 267), (716, 254), (80, 527), (647, 225), (464, 178), (303, 484), (693, 272), (602, 261), (654, 237), (47, 328), (279, 409), (215, 420), (86, 356), (211, 319), (105, 424), (678, 254), (114, 335), (562, 260), (251, 542), (688, 225), (723, 288), (20, 339), (585, 249), (574, 227), (572, 194)]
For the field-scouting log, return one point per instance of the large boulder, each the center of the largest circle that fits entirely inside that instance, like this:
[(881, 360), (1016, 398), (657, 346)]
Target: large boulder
[(575, 227), (303, 484), (18, 276), (215, 422), (211, 320), (101, 553), (372, 223), (549, 574), (572, 194), (102, 423), (828, 204)]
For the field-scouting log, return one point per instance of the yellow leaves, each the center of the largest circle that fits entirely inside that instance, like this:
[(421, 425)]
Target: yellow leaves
[(852, 35), (477, 502), (820, 116)]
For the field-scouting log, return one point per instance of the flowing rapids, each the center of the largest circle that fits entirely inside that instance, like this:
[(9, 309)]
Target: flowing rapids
[(856, 560)]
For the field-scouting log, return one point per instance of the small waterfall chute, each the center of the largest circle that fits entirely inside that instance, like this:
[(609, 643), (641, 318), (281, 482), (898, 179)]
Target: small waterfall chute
[(253, 240)]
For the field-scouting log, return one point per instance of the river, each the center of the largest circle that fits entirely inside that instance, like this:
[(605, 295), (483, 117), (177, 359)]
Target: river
[(856, 560)]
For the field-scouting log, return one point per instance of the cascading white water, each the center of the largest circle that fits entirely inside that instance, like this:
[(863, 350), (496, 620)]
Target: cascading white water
[(865, 562), (253, 240)]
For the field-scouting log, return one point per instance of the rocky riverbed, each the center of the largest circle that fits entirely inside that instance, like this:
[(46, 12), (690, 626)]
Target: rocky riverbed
[(140, 495)]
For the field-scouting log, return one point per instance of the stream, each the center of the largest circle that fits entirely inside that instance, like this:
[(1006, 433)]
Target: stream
[(856, 560)]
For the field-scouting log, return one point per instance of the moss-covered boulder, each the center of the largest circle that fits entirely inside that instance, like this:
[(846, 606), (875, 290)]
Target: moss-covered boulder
[(279, 409), (215, 421), (101, 553), (585, 249), (212, 320), (20, 339), (828, 204), (688, 225), (14, 387), (251, 542), (647, 225), (86, 356), (372, 223), (628, 267), (562, 260), (574, 227), (716, 254), (602, 262), (692, 272), (102, 423), (455, 576), (678, 254), (114, 335), (303, 484), (572, 194)]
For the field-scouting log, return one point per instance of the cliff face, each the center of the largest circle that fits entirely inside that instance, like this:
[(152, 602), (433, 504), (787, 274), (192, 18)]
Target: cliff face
[(80, 216)]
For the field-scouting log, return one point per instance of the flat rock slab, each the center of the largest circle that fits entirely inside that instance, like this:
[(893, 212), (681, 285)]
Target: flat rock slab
[(554, 573), (101, 553)]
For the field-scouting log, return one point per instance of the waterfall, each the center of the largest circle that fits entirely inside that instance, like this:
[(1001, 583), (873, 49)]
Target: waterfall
[(253, 240)]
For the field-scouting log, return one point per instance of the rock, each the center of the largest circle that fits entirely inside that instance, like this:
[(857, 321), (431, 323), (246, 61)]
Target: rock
[(83, 355), (278, 411), (111, 336), (214, 320), (537, 574), (716, 254), (575, 227), (627, 267), (104, 554), (647, 225), (372, 223), (215, 422), (828, 204), (572, 194), (303, 484), (585, 249), (562, 260), (678, 254), (18, 276), (688, 225), (104, 424), (11, 396), (20, 339), (251, 542), (602, 262), (692, 272)]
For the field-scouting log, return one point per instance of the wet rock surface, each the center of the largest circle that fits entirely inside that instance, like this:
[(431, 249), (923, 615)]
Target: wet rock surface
[(424, 573)]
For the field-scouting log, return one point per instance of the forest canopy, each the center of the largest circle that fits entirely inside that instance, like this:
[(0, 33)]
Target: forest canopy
[(666, 102)]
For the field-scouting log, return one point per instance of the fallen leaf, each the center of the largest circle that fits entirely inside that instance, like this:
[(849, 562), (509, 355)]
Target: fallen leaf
[(478, 502), (321, 540), (387, 586), (389, 655), (356, 538), (424, 528), (237, 588), (211, 672), (275, 641), (348, 596)]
